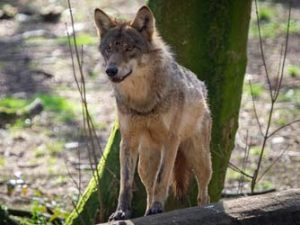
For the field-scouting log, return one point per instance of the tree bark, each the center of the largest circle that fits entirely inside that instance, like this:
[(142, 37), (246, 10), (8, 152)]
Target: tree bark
[(210, 38), (281, 208)]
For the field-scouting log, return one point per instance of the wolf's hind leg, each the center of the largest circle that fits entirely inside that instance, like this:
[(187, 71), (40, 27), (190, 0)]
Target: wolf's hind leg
[(200, 159)]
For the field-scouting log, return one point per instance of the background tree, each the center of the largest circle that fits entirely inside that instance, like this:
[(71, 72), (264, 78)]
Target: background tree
[(210, 38)]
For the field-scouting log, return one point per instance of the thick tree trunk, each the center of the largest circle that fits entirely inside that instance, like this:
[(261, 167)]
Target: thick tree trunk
[(210, 38), (281, 208)]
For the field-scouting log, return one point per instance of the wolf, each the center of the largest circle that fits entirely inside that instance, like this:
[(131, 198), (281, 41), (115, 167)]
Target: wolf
[(164, 118)]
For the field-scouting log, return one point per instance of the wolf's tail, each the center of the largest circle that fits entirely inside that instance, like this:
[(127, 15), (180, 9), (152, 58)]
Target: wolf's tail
[(181, 176)]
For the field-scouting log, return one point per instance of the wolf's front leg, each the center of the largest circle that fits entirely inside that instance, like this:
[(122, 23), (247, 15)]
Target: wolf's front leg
[(163, 177), (128, 158)]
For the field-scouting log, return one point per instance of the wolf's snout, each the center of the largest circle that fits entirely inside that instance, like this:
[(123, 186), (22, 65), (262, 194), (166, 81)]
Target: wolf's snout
[(112, 70)]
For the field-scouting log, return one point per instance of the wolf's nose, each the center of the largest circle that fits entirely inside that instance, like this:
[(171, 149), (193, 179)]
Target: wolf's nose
[(111, 71)]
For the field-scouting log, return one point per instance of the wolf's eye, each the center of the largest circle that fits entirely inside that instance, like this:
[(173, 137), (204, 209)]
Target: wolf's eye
[(129, 48), (108, 49)]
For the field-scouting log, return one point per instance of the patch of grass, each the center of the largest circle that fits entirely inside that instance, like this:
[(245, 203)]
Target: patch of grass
[(92, 74), (64, 110), (255, 151), (293, 70), (59, 213), (281, 121), (51, 169), (291, 95), (54, 148), (265, 14), (37, 40), (81, 39), (257, 89), (102, 126), (2, 161), (271, 24), (13, 103), (60, 180), (52, 161), (273, 29), (264, 185), (37, 210), (19, 123), (236, 176), (40, 151), (2, 65)]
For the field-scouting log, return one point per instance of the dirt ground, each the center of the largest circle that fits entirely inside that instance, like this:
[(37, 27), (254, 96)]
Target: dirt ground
[(43, 155)]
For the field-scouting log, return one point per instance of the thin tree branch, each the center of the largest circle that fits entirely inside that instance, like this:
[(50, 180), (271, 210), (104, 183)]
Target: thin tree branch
[(282, 127), (236, 169), (254, 109), (269, 167), (262, 49), (285, 52)]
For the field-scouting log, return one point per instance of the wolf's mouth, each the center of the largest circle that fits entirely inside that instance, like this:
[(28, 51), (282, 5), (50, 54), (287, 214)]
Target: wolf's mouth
[(120, 79)]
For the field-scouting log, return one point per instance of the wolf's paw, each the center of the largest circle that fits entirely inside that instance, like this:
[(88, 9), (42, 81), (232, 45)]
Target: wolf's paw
[(203, 200), (155, 209), (120, 215)]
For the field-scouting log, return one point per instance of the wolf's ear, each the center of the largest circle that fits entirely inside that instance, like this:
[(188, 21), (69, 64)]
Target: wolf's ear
[(103, 21), (144, 22)]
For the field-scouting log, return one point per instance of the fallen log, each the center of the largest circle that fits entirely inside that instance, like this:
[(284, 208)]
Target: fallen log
[(279, 208), (8, 116), (5, 219)]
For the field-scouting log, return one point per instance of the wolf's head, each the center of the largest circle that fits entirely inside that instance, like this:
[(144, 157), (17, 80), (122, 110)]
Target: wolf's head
[(123, 44)]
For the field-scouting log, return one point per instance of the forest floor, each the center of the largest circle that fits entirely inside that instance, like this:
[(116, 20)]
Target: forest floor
[(39, 160)]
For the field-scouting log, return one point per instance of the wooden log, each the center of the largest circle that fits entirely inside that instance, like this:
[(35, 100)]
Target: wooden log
[(5, 219), (8, 115), (279, 208)]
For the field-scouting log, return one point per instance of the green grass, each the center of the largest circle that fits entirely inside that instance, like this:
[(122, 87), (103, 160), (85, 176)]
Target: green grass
[(63, 109), (265, 14), (293, 71), (236, 176), (273, 29), (281, 121), (37, 40), (291, 95), (256, 91), (19, 123), (81, 39), (40, 152), (38, 210), (13, 103), (264, 185), (256, 151), (54, 148), (2, 161), (271, 24)]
